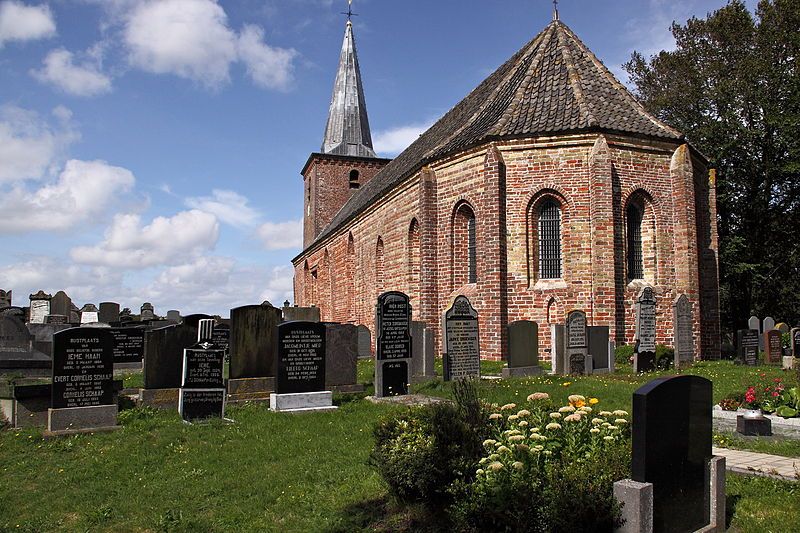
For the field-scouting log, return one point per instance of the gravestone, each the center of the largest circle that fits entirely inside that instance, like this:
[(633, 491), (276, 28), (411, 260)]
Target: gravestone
[(364, 342), (523, 349), (577, 361), (202, 394), (644, 359), (5, 298), (128, 346), (39, 308), (422, 350), (17, 352), (671, 440), (795, 341), (768, 325), (61, 304), (163, 360), (193, 320), (56, 320), (253, 342), (83, 381), (773, 347), (341, 358), (89, 314), (558, 340), (460, 333), (783, 327), (109, 312), (747, 347), (125, 316), (74, 315), (754, 323), (147, 312), (682, 321), (393, 347), (174, 316), (304, 314), (221, 336), (598, 349), (14, 310)]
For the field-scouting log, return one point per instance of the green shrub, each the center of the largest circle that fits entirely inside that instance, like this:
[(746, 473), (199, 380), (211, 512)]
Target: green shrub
[(665, 355), (623, 354)]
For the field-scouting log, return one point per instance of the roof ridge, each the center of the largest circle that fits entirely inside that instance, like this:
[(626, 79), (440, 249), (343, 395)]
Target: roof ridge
[(618, 85), (574, 77)]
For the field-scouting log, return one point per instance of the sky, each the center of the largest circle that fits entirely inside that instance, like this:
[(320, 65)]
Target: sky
[(150, 150)]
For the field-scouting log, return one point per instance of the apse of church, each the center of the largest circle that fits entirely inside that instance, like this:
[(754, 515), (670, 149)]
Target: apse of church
[(548, 188)]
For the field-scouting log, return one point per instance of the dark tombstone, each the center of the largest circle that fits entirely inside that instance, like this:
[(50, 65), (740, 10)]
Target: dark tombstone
[(422, 351), (174, 316), (39, 307), (598, 337), (462, 358), (125, 316), (682, 321), (747, 347), (15, 311), (128, 345), (56, 320), (303, 314), (109, 312), (17, 352), (754, 427), (201, 404), (89, 314), (147, 312), (221, 335), (194, 320), (5, 298), (577, 343), (364, 342), (558, 341), (75, 315), (43, 336), (672, 449), (163, 355), (393, 343), (253, 337), (61, 304), (795, 340), (644, 358), (773, 346), (341, 358), (301, 357), (523, 349), (202, 394)]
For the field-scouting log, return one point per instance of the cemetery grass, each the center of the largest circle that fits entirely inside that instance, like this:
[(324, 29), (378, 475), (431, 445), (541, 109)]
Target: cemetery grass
[(772, 445)]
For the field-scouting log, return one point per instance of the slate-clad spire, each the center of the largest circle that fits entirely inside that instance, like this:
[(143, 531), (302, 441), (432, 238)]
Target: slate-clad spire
[(347, 131)]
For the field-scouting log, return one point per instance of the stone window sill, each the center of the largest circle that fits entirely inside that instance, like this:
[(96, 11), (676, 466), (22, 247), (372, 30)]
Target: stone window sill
[(549, 284)]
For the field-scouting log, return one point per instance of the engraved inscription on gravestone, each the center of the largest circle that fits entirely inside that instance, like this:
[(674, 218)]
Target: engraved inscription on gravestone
[(301, 357), (199, 404), (394, 323), (462, 342), (202, 367), (40, 307), (576, 342), (795, 336), (221, 335), (645, 355), (83, 368), (203, 391), (773, 346), (747, 346), (128, 345)]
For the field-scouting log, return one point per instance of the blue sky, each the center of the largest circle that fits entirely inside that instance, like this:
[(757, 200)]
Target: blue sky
[(150, 149)]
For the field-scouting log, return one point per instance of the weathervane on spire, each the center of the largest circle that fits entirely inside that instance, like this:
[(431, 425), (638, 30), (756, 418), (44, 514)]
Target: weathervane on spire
[(555, 9), (349, 12)]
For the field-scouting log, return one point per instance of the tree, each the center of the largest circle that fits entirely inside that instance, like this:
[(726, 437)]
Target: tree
[(732, 85)]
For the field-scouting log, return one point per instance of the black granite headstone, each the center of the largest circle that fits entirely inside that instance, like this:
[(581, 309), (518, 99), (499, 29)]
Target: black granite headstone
[(83, 368), (253, 338), (672, 448), (301, 357), (577, 342), (747, 346), (221, 336), (395, 378), (201, 404), (462, 341), (108, 312), (393, 326), (128, 345), (163, 355), (523, 344), (193, 321), (203, 367), (61, 304), (795, 342), (645, 347)]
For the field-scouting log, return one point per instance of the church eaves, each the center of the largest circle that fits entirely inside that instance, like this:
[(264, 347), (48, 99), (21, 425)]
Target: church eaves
[(553, 85), (347, 131)]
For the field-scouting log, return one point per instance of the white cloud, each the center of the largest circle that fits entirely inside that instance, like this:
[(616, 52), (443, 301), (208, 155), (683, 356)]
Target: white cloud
[(395, 140), (228, 206), (269, 67), (281, 235), (31, 146), (19, 22), (83, 191), (165, 241), (280, 286), (79, 80)]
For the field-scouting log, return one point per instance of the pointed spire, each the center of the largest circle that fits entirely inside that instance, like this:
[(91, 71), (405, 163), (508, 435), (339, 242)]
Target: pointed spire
[(347, 131), (555, 10)]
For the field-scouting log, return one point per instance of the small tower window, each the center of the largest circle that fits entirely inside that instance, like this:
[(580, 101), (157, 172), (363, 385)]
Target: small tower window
[(354, 184)]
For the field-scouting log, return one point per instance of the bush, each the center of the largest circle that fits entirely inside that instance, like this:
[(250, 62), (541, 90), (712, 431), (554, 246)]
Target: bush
[(623, 354), (665, 355), (422, 451)]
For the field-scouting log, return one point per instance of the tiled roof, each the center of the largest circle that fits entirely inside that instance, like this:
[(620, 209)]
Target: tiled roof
[(554, 84)]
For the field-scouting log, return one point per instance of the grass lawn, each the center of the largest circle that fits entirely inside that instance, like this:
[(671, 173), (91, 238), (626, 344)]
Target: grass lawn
[(274, 472)]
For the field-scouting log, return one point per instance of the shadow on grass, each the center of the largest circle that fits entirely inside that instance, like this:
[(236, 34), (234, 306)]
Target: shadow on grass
[(731, 501), (381, 515)]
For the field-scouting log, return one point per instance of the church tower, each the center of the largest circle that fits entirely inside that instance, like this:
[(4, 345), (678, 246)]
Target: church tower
[(346, 160)]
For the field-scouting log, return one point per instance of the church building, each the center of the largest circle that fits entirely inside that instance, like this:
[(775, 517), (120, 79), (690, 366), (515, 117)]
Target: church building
[(548, 188)]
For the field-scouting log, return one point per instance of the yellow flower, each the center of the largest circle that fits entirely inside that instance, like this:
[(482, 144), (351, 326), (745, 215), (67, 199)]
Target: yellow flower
[(512, 418), (523, 447), (566, 384), (480, 472), (593, 401), (538, 396), (523, 424), (596, 421), (503, 449), (494, 457), (516, 438), (585, 409), (609, 438), (605, 413)]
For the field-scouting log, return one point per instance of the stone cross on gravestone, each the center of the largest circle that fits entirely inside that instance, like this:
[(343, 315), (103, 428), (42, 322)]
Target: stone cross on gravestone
[(645, 351), (683, 337), (462, 358), (393, 346)]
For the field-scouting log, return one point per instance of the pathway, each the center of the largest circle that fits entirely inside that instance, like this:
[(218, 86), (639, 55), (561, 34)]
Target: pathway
[(746, 462)]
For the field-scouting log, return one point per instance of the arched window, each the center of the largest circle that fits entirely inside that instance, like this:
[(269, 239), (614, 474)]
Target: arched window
[(354, 183), (635, 263), (413, 260), (379, 266), (465, 246), (549, 240), (350, 283)]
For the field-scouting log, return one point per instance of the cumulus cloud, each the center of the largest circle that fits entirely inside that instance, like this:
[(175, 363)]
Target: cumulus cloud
[(269, 67), (83, 191), (61, 71), (228, 206), (30, 146), (20, 22), (281, 235), (165, 241), (395, 140)]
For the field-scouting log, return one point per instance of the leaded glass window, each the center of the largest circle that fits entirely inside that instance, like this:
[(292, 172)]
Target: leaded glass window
[(549, 240)]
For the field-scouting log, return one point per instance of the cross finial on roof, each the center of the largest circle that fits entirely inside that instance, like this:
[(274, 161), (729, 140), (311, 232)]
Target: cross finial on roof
[(349, 12), (555, 9)]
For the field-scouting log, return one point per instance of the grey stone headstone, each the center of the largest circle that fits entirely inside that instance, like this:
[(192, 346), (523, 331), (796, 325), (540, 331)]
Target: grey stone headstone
[(461, 337), (364, 342), (253, 340), (14, 335), (39, 308), (558, 339), (341, 355), (769, 324), (754, 323), (577, 343), (43, 336), (61, 304), (305, 314), (422, 349), (523, 344), (5, 298), (174, 316), (598, 347), (56, 319), (147, 312), (682, 321), (89, 314), (109, 312), (644, 359), (163, 355)]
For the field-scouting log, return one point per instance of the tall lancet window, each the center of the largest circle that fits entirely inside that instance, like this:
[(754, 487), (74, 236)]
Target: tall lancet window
[(472, 249), (635, 263), (465, 246), (549, 240)]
